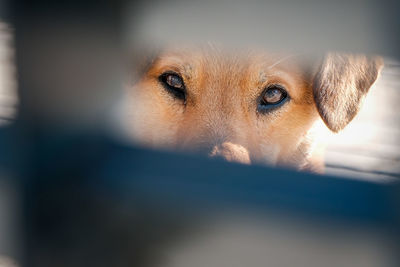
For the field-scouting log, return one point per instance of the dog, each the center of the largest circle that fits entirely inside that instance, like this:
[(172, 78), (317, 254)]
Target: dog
[(247, 106)]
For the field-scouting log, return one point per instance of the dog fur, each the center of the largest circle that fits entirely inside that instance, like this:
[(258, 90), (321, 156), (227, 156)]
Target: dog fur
[(219, 115)]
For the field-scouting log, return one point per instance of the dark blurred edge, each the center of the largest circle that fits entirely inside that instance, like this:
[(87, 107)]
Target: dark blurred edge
[(90, 201), (86, 195)]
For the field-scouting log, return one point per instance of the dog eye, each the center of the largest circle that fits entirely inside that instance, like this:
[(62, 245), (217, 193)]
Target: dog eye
[(174, 84), (272, 97)]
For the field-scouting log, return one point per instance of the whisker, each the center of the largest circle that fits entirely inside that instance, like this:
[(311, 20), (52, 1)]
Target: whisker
[(280, 61)]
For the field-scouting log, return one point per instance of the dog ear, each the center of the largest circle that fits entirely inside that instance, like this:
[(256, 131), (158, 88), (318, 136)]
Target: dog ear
[(341, 83)]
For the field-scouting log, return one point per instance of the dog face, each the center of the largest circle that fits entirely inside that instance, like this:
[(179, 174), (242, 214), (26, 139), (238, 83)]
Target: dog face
[(246, 107)]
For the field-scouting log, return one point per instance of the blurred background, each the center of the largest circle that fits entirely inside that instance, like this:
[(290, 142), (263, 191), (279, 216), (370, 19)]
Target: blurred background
[(75, 192)]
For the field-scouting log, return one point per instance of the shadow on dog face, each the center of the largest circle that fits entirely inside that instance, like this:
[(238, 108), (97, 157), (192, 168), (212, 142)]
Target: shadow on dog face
[(247, 106)]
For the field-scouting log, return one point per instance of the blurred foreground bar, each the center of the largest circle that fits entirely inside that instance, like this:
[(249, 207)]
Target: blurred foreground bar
[(90, 201)]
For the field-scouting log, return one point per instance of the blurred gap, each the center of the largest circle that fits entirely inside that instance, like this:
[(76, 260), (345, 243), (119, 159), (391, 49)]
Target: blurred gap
[(8, 78)]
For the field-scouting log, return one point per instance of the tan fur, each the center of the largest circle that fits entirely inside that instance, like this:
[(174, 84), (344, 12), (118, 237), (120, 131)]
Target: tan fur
[(220, 114)]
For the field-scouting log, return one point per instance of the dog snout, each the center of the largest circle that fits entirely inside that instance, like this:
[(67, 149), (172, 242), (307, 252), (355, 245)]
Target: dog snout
[(231, 152)]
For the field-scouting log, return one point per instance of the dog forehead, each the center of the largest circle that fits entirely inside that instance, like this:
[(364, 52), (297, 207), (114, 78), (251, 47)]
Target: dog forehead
[(227, 65), (222, 71)]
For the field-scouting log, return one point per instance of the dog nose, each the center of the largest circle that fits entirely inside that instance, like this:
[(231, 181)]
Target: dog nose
[(231, 152)]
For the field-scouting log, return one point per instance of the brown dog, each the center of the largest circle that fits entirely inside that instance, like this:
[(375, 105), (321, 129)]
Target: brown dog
[(250, 106)]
